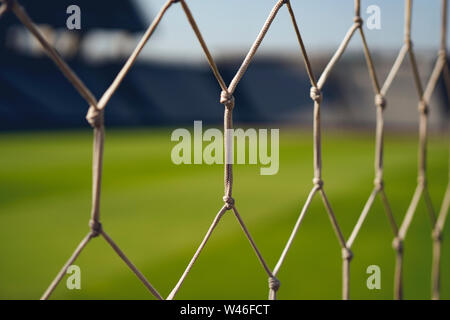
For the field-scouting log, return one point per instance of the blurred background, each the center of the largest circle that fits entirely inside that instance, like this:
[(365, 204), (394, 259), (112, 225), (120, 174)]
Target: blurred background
[(45, 147)]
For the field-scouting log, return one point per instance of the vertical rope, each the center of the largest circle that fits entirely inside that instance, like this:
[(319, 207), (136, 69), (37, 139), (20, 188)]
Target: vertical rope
[(408, 15), (228, 101), (357, 8), (95, 118), (444, 26), (440, 222)]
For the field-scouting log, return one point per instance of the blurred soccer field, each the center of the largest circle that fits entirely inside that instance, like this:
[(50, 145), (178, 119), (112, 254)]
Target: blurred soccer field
[(158, 212)]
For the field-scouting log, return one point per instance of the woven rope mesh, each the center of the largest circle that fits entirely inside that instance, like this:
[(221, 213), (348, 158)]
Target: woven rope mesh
[(97, 108)]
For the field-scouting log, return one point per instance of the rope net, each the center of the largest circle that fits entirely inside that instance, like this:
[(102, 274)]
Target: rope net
[(95, 117)]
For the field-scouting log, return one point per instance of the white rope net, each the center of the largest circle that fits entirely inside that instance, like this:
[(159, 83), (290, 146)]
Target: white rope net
[(424, 92)]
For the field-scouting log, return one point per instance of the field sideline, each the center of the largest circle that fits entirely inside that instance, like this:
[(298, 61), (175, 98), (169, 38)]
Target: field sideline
[(158, 212)]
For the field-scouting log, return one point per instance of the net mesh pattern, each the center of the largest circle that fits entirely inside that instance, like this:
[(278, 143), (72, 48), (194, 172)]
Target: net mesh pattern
[(95, 117)]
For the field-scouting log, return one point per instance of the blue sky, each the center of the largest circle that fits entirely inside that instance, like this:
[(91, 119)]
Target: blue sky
[(230, 26)]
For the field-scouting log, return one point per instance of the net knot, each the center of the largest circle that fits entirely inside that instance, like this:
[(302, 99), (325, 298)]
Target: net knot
[(397, 244), (358, 21), (379, 184), (347, 254), (423, 107), (316, 95), (274, 284), (318, 183), (96, 228), (437, 235), (408, 44), (95, 117), (229, 202), (380, 101), (175, 1), (227, 99)]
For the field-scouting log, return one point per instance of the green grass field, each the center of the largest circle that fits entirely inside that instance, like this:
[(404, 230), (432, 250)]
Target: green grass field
[(158, 212)]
